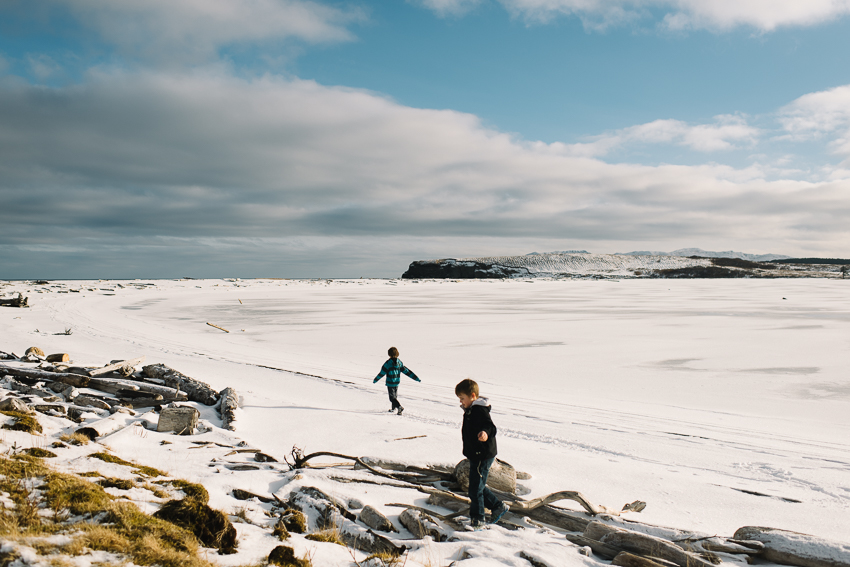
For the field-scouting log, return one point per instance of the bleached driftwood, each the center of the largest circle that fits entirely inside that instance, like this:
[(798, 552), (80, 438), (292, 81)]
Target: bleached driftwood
[(626, 559), (13, 384), (58, 357), (197, 391), (34, 374), (104, 427), (643, 544), (599, 548), (116, 366), (91, 401), (219, 328), (502, 476), (117, 385), (792, 548), (229, 403), (19, 301), (446, 472)]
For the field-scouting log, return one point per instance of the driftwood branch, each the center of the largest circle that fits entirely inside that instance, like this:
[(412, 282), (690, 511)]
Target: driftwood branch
[(229, 403), (116, 365), (65, 377), (197, 391)]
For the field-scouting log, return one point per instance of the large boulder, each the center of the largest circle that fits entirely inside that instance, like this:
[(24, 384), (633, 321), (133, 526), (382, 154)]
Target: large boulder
[(502, 476)]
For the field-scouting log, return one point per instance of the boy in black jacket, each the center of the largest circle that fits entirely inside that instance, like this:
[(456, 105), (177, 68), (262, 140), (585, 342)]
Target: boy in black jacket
[(479, 446)]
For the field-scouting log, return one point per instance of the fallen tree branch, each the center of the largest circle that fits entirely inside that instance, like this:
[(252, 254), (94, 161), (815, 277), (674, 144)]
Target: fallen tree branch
[(65, 377), (116, 365)]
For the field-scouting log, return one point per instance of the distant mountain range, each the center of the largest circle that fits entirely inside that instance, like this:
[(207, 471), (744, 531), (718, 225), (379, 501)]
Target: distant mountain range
[(708, 254)]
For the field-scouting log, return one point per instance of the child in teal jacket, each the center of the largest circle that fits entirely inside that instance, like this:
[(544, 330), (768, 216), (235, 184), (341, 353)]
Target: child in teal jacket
[(392, 369)]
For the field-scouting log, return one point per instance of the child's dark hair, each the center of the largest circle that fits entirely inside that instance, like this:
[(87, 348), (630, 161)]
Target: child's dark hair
[(393, 352), (466, 386)]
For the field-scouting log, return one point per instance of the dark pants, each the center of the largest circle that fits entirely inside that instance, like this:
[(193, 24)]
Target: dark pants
[(393, 392), (479, 495)]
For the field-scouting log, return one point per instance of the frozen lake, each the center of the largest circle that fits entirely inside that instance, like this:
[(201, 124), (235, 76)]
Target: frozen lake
[(681, 393)]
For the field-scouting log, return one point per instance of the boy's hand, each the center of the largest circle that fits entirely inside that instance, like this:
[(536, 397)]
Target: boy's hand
[(482, 436)]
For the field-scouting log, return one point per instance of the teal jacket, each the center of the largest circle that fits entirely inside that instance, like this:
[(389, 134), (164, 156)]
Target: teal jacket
[(392, 369)]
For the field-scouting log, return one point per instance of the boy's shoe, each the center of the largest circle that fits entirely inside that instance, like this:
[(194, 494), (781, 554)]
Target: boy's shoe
[(498, 513), (400, 409), (391, 410), (476, 525)]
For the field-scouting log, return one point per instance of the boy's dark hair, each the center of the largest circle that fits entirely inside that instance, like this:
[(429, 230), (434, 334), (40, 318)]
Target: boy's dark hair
[(467, 387), (393, 352)]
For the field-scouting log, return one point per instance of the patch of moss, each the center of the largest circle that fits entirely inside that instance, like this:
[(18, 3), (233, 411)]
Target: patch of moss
[(211, 527), (90, 474), (327, 536), (284, 556), (120, 483), (294, 521), (58, 445), (141, 469), (23, 422), (191, 490), (69, 493), (40, 453)]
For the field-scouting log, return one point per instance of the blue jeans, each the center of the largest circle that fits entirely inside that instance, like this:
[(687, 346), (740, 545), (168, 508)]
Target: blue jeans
[(393, 393), (479, 495)]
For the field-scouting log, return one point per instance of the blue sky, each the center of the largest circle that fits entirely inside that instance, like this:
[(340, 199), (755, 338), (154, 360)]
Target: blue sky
[(162, 138)]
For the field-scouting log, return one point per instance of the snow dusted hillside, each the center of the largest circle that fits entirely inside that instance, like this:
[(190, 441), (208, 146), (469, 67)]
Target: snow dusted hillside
[(590, 264)]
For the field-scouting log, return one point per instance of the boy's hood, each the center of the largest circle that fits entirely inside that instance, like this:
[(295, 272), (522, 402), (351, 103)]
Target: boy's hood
[(481, 402)]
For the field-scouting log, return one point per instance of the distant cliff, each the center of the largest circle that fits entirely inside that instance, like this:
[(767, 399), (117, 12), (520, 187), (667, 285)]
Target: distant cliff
[(460, 269)]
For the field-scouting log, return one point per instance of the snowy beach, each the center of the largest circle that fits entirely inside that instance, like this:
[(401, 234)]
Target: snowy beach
[(719, 403)]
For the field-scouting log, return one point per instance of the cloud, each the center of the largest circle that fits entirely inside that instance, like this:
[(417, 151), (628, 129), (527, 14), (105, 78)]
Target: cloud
[(206, 155), (818, 115), (445, 8), (724, 134), (195, 30), (716, 15)]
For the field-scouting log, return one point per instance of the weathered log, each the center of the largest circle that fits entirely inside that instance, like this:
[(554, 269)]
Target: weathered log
[(115, 385), (182, 420), (599, 548), (32, 373), (502, 476), (720, 545), (47, 408), (444, 471), (420, 524), (13, 384), (652, 546), (626, 559), (58, 357), (106, 426), (76, 412), (229, 403), (19, 301), (116, 365), (375, 520), (792, 548), (556, 496), (197, 391), (91, 401), (566, 520), (146, 402)]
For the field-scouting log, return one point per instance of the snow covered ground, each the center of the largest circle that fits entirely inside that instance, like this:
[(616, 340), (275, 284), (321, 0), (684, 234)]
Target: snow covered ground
[(681, 393)]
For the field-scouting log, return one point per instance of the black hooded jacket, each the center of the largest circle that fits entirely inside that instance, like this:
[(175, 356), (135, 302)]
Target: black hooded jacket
[(476, 418)]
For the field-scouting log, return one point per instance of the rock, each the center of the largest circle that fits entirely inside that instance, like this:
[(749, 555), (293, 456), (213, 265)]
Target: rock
[(35, 351), (461, 269), (354, 504), (50, 408), (263, 458), (240, 494), (284, 556), (375, 520), (14, 404), (421, 524), (182, 420), (58, 357), (522, 475), (502, 476), (91, 402)]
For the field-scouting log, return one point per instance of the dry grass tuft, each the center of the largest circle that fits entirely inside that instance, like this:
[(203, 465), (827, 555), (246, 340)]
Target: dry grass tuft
[(75, 439), (141, 469), (23, 422)]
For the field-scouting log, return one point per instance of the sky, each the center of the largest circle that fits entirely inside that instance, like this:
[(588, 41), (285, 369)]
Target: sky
[(291, 138)]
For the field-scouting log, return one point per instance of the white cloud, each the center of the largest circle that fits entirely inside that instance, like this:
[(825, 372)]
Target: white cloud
[(723, 134), (42, 66), (820, 114), (763, 15), (206, 154), (450, 7), (194, 30)]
